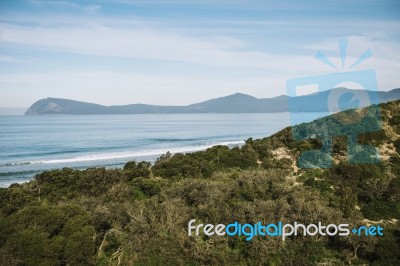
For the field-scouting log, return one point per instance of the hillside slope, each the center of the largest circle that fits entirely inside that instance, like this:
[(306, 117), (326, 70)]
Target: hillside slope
[(139, 215)]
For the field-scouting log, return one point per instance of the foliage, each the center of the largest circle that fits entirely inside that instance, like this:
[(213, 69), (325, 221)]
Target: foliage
[(134, 170), (138, 215)]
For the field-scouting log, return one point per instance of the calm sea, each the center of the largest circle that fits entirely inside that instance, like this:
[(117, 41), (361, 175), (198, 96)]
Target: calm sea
[(32, 144)]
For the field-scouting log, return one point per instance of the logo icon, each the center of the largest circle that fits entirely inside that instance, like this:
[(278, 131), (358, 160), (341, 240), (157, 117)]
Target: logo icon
[(344, 104)]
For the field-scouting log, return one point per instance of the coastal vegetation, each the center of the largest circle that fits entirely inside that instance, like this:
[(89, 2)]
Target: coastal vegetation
[(138, 215)]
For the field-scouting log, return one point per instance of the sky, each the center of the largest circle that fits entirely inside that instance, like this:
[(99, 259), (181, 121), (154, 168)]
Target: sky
[(178, 52)]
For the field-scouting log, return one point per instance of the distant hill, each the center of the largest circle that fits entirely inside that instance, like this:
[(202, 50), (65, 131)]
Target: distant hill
[(236, 103)]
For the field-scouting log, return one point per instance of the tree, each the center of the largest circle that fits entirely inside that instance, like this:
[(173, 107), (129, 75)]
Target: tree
[(134, 170)]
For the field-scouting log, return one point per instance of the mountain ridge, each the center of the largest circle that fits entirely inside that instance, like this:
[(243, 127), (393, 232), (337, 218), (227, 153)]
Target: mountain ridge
[(235, 103)]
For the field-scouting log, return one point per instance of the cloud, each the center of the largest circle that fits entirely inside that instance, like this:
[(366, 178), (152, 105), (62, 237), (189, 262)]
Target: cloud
[(139, 42), (12, 59), (211, 51), (237, 63), (60, 5), (54, 3), (133, 43), (172, 39), (92, 8)]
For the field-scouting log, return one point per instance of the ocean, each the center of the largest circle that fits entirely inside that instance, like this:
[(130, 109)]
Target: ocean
[(33, 144)]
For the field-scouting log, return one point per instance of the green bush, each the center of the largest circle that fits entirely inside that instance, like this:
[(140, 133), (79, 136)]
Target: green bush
[(396, 144), (394, 120), (134, 170), (50, 235), (381, 209), (149, 187), (367, 181), (138, 215)]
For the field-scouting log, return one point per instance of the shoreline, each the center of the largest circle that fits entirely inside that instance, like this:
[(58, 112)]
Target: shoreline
[(151, 158)]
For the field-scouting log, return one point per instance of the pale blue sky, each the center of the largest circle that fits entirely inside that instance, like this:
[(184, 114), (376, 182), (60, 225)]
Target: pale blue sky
[(179, 52)]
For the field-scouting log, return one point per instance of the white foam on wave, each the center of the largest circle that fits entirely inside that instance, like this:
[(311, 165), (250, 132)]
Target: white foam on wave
[(128, 154)]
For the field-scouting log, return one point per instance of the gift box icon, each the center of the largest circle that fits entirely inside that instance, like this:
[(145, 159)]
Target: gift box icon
[(350, 124)]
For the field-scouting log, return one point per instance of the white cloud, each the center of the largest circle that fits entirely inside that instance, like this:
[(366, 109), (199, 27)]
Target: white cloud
[(152, 44), (12, 59), (154, 40), (55, 3), (60, 4)]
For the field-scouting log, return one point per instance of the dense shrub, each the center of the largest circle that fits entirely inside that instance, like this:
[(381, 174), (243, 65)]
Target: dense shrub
[(394, 120), (134, 170), (138, 215), (368, 181), (396, 144), (204, 163), (381, 209), (44, 235)]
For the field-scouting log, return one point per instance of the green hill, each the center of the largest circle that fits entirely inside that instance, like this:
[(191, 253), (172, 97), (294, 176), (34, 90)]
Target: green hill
[(139, 215)]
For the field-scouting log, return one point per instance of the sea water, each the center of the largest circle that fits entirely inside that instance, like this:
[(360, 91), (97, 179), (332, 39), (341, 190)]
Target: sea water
[(33, 144)]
